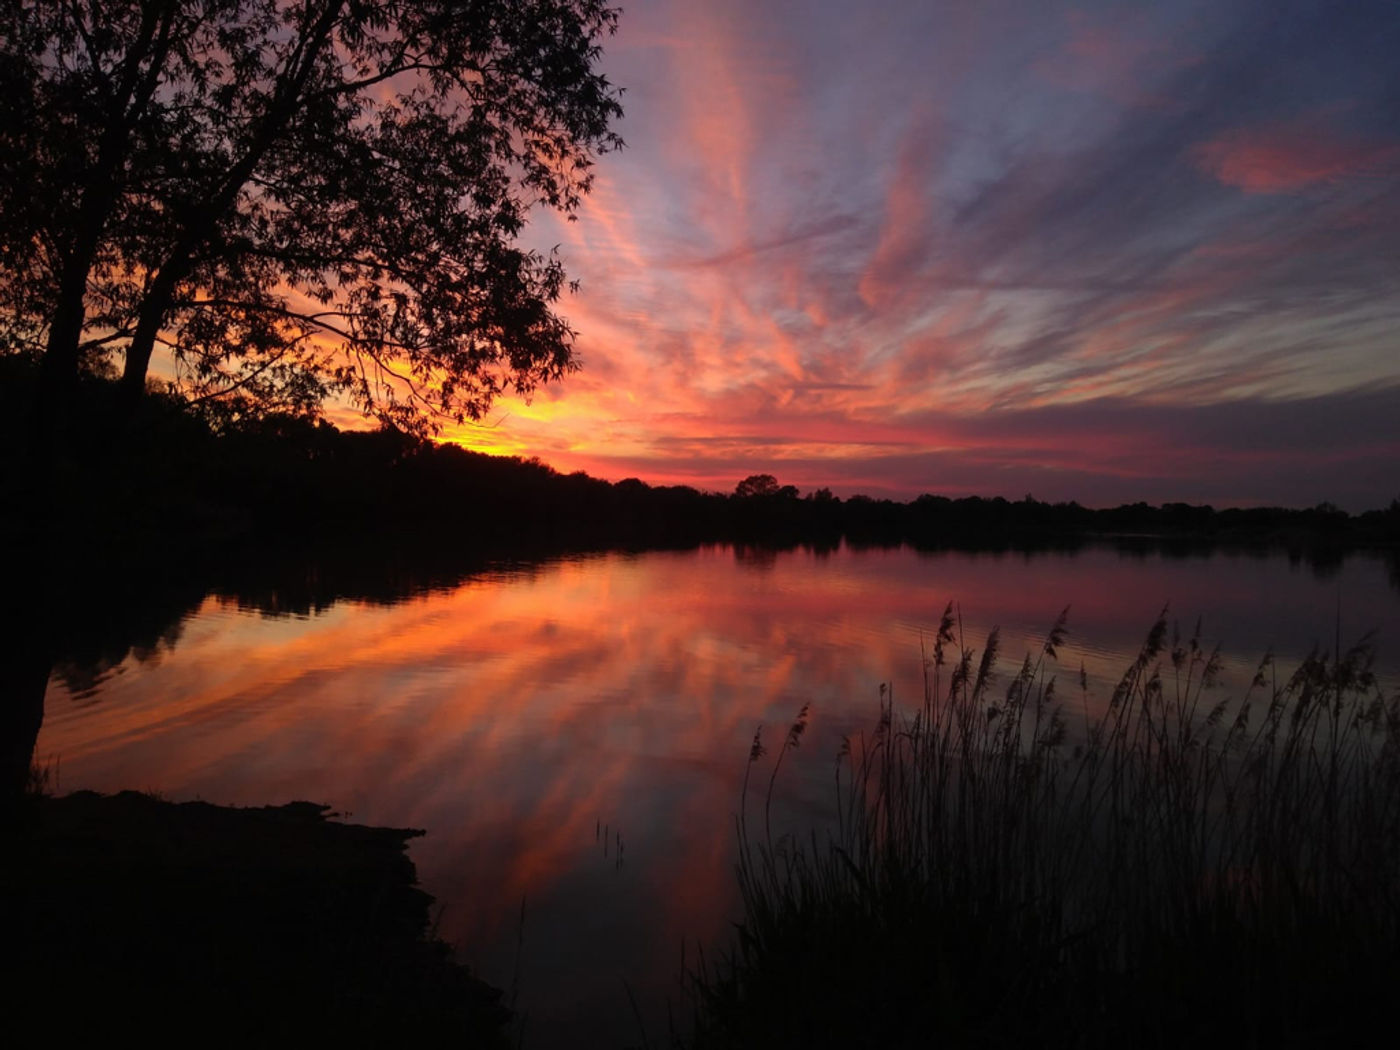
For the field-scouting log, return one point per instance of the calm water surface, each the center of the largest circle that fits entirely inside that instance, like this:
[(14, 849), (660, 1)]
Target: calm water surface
[(520, 715)]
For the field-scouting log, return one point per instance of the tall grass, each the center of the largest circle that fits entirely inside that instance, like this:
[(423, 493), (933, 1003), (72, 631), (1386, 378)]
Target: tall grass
[(1173, 871)]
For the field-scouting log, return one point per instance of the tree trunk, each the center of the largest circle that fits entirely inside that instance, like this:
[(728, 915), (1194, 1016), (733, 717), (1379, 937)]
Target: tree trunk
[(26, 656), (143, 340), (138, 363), (24, 678), (58, 374), (58, 370)]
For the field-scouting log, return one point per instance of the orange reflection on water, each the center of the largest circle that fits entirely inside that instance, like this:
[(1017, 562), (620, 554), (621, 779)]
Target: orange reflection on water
[(517, 715)]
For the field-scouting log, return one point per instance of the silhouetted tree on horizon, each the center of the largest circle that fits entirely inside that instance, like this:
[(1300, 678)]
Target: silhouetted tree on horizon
[(295, 197), (757, 485)]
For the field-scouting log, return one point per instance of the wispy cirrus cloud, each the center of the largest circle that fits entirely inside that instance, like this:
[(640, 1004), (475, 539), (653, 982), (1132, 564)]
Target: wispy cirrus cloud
[(833, 228)]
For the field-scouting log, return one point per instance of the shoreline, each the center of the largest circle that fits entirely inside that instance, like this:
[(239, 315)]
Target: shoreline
[(192, 920)]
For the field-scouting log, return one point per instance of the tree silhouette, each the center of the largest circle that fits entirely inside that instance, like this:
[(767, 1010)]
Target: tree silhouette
[(757, 485), (295, 197)]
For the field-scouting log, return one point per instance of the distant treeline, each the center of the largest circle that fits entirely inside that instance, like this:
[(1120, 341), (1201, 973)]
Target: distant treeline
[(281, 472), (191, 474), (133, 529)]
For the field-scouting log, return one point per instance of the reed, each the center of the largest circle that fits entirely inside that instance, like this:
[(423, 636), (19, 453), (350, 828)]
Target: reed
[(1175, 871)]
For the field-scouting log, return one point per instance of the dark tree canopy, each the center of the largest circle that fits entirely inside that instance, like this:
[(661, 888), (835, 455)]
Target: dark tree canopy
[(295, 197), (757, 485)]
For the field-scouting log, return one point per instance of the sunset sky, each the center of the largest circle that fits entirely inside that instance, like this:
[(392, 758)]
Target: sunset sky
[(1099, 252)]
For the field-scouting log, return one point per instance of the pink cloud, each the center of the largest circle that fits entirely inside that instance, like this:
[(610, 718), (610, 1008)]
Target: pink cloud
[(1115, 54), (1281, 160), (906, 220), (858, 282)]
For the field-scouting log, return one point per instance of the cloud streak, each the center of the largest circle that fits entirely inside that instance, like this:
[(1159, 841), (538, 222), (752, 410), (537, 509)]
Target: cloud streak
[(959, 248)]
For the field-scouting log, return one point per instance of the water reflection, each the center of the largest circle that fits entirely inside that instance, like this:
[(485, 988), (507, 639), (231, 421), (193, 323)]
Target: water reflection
[(515, 711)]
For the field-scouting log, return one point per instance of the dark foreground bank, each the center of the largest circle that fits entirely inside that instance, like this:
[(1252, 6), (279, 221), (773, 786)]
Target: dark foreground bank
[(212, 925)]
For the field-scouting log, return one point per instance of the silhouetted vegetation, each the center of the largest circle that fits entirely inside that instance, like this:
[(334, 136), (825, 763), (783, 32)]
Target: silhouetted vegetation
[(195, 477), (294, 197), (1178, 871), (197, 924)]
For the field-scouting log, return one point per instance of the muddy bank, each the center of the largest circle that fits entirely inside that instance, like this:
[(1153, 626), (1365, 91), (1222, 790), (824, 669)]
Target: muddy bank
[(213, 924)]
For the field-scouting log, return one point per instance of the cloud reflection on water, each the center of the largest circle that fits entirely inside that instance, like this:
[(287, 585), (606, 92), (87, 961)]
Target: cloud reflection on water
[(513, 715)]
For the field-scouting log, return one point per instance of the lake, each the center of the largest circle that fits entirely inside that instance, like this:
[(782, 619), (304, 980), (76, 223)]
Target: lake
[(573, 733)]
